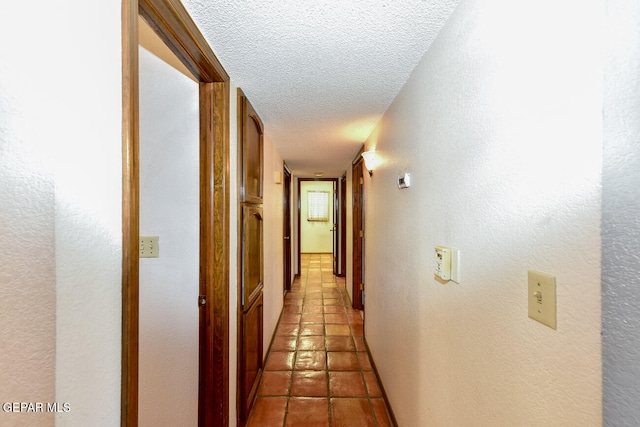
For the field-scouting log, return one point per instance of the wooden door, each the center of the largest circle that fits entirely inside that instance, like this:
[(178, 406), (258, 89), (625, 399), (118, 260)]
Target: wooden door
[(251, 305), (343, 226), (286, 204), (358, 234), (251, 140), (336, 219), (250, 289)]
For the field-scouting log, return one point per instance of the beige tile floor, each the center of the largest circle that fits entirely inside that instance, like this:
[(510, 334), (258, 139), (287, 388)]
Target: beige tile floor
[(318, 371)]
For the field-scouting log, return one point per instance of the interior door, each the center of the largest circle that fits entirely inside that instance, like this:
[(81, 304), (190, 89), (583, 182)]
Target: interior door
[(286, 204), (250, 302), (336, 217), (358, 234), (342, 225)]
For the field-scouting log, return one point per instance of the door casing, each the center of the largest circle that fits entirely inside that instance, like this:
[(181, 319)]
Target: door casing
[(286, 205), (174, 26), (357, 193)]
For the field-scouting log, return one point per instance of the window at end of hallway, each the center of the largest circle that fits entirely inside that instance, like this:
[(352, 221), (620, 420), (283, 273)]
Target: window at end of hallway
[(318, 206)]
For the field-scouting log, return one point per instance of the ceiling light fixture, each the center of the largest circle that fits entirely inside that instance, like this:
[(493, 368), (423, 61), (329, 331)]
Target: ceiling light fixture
[(370, 161)]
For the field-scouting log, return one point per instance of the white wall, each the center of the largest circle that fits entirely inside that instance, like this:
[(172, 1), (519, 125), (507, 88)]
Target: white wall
[(272, 211), (169, 208), (88, 142), (500, 126), (620, 219), (315, 236), (60, 131), (27, 224)]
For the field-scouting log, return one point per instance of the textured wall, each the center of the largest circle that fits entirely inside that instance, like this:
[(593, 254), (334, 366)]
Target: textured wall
[(88, 207), (273, 242), (500, 126), (620, 220), (60, 128), (27, 230), (170, 209)]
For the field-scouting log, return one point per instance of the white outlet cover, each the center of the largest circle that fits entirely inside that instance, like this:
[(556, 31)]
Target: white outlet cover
[(149, 247)]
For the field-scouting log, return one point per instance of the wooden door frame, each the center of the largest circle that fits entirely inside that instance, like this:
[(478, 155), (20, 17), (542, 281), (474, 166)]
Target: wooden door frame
[(172, 23), (286, 205), (357, 195), (343, 225), (299, 240)]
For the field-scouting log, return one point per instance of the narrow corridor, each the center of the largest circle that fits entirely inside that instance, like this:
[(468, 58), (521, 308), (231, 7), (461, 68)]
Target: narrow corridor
[(318, 371)]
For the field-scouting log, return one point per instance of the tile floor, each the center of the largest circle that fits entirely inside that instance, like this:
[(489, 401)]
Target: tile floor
[(318, 371)]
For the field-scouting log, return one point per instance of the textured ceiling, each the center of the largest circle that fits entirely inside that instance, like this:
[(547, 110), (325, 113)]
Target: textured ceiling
[(320, 73)]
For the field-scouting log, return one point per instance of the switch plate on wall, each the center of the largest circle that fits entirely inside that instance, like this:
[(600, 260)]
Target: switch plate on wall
[(149, 247), (542, 298), (443, 262)]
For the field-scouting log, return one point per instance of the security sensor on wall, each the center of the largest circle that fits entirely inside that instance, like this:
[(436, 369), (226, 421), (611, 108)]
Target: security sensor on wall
[(404, 181)]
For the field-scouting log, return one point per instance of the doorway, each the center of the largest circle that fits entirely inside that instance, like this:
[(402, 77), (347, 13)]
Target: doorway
[(172, 24), (336, 227), (169, 210)]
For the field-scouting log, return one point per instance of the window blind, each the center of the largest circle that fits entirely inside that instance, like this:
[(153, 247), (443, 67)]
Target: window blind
[(318, 206)]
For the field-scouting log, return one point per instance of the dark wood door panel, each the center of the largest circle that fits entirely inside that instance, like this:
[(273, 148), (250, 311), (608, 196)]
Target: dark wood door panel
[(252, 267), (286, 202), (252, 352), (251, 156), (358, 233), (251, 274)]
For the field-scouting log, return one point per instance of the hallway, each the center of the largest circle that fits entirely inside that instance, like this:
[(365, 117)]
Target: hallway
[(318, 372)]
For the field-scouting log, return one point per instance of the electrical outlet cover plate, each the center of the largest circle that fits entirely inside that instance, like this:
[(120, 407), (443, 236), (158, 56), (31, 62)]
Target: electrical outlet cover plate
[(149, 247), (542, 297)]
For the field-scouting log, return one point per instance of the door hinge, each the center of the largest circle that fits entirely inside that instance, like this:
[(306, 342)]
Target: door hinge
[(361, 180), (361, 233), (362, 286), (202, 300)]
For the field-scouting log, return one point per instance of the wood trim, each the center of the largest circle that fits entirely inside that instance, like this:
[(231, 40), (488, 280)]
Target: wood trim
[(382, 390), (343, 225), (245, 109), (172, 23), (358, 156), (214, 255), (357, 197), (130, 215), (286, 226), (220, 282)]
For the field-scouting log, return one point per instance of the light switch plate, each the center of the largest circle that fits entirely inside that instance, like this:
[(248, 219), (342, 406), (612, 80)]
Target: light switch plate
[(149, 247), (542, 297), (442, 262)]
